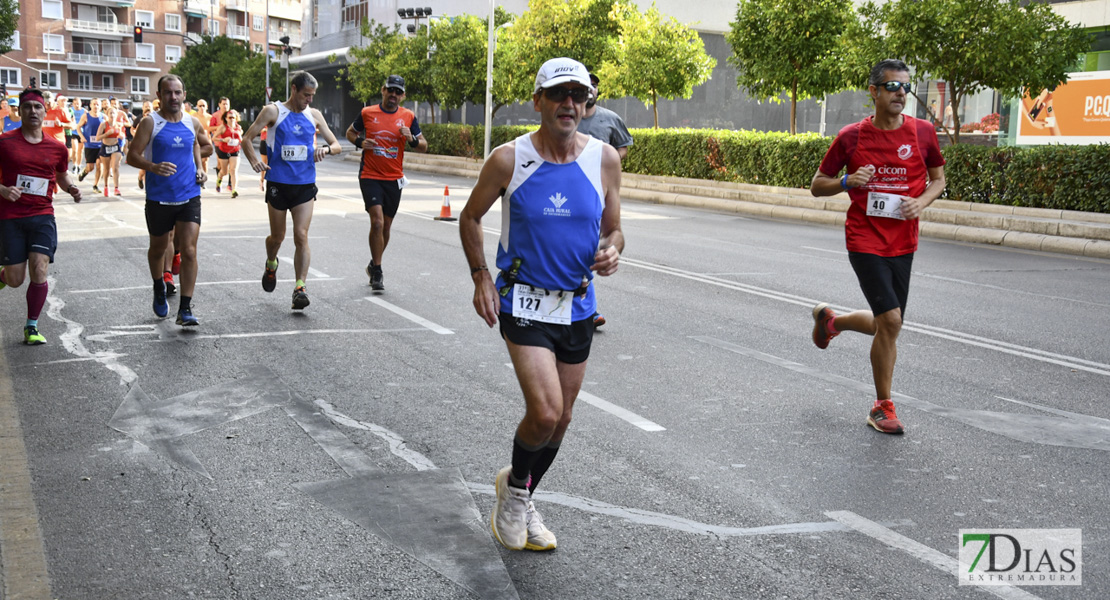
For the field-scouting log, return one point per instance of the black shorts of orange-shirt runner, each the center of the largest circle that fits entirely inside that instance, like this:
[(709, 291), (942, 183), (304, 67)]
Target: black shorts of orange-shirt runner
[(885, 280), (381, 192), (570, 343)]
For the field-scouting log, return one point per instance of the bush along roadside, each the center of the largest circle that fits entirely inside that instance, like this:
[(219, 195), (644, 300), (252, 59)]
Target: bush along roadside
[(1056, 176)]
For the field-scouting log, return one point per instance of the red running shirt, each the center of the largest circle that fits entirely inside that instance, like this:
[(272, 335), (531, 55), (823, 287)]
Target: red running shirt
[(901, 158), (32, 167), (53, 124)]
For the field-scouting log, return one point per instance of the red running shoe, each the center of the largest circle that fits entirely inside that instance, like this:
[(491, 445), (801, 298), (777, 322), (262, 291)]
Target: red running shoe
[(176, 267), (822, 314), (883, 419)]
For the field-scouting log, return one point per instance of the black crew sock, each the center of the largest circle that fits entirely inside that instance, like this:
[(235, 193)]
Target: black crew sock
[(524, 456), (186, 302), (543, 461), (160, 287)]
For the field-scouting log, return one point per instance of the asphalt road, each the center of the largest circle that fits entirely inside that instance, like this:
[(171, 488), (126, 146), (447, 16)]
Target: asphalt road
[(349, 451)]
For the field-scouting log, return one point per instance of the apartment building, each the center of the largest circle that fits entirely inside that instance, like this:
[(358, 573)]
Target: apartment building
[(89, 48)]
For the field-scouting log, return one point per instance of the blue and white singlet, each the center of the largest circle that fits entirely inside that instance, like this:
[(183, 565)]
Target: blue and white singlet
[(551, 220), (291, 145), (172, 142)]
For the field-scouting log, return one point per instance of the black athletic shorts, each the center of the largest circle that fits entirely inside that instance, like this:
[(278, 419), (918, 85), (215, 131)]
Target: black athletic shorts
[(220, 154), (262, 148), (885, 280), (20, 237), (570, 343), (69, 139), (161, 218), (381, 192), (91, 154), (284, 196)]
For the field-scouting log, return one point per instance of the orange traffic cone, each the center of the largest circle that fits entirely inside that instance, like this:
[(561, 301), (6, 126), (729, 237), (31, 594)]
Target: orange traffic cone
[(445, 210)]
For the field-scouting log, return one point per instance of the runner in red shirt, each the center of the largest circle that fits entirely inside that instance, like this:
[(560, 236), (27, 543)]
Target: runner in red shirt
[(381, 132), (229, 139), (56, 121), (894, 171), (33, 166)]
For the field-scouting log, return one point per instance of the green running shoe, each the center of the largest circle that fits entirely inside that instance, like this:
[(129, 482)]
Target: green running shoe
[(32, 337)]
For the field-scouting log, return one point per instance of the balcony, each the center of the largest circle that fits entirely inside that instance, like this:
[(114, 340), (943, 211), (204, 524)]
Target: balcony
[(290, 11), (78, 26), (240, 5), (197, 8), (96, 89), (93, 59), (193, 39), (294, 38), (238, 32)]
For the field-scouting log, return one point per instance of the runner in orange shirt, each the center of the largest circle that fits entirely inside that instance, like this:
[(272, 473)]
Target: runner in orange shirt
[(56, 121)]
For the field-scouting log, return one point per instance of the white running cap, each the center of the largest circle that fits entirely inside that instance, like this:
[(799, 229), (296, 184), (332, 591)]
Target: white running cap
[(561, 70)]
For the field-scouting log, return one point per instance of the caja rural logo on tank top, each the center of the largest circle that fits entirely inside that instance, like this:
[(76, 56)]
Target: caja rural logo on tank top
[(558, 200)]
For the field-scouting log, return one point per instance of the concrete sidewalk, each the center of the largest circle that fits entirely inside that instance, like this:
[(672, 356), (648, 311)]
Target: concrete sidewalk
[(1061, 231)]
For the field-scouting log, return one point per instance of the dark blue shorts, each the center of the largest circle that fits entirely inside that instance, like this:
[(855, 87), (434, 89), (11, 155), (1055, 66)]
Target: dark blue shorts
[(885, 280), (20, 237), (570, 343)]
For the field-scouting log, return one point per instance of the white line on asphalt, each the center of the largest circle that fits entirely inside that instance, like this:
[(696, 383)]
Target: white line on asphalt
[(619, 412), (1070, 362), (73, 360), (396, 442), (1008, 290), (919, 551), (311, 271), (71, 340), (199, 283), (224, 336), (410, 316), (838, 252)]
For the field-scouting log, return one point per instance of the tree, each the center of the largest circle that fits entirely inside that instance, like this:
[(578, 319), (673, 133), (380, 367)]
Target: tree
[(583, 30), (655, 57), (458, 69), (793, 46), (221, 66), (9, 23), (974, 46)]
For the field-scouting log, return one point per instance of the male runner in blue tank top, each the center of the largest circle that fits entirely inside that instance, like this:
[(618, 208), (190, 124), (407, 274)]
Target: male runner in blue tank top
[(560, 191), (169, 145), (290, 174)]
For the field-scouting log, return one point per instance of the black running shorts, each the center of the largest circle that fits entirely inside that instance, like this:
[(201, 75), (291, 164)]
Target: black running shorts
[(20, 237), (91, 154), (381, 192), (283, 196), (161, 218), (570, 343), (885, 280)]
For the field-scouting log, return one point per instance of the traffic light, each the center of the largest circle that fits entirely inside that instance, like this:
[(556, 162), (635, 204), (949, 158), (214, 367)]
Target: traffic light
[(138, 34)]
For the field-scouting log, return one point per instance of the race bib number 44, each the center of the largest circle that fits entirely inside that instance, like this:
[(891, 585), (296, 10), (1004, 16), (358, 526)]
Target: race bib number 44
[(888, 206), (294, 153), (541, 305), (32, 185)]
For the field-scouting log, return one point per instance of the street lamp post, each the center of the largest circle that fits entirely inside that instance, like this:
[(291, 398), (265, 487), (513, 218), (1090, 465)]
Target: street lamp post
[(489, 79)]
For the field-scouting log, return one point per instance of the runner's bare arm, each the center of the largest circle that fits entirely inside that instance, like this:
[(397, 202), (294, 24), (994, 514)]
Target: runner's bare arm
[(64, 182), (611, 245), (495, 177), (265, 118)]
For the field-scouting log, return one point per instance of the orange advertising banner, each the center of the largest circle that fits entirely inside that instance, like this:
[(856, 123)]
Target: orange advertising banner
[(1077, 112)]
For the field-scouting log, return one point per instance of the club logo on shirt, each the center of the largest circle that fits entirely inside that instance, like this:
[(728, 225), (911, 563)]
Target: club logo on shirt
[(905, 151), (400, 123), (296, 129), (177, 142), (558, 200)]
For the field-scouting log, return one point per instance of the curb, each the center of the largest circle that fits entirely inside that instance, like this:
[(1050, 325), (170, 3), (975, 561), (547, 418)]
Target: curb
[(1046, 230)]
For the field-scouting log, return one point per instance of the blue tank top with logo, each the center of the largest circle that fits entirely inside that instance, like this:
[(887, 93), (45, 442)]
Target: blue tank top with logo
[(89, 129), (291, 145), (173, 143), (551, 221), (9, 124)]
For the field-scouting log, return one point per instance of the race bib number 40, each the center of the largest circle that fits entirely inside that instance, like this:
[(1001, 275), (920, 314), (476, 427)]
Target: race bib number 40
[(36, 186), (888, 206), (294, 153), (541, 305)]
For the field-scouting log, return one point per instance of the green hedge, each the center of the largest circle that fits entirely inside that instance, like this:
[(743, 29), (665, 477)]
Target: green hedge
[(1062, 177)]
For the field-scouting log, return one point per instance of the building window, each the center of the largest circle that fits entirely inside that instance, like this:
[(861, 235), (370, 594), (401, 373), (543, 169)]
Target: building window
[(84, 81), (52, 9), (140, 85), (173, 54), (108, 82), (258, 48), (144, 18), (53, 43), (14, 41), (10, 77), (213, 28), (48, 80), (144, 52), (259, 22), (173, 22)]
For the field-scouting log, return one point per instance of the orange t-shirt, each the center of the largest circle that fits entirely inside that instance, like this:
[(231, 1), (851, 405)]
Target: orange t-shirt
[(54, 124), (385, 159)]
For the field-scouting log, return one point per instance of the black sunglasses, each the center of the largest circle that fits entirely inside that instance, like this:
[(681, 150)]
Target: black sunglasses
[(395, 91), (560, 93), (892, 86)]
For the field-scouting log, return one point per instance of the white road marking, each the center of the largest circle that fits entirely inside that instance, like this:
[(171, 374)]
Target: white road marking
[(261, 334), (838, 252), (199, 283), (311, 271), (71, 340), (619, 412), (410, 316), (1070, 362), (396, 442), (920, 551)]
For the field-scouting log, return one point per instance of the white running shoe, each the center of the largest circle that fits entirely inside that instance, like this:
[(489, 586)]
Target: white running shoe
[(509, 517), (540, 538)]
